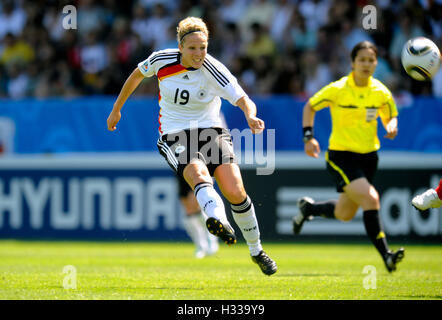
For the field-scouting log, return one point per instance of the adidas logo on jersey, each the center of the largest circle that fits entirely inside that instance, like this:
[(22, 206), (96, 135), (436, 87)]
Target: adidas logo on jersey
[(186, 77)]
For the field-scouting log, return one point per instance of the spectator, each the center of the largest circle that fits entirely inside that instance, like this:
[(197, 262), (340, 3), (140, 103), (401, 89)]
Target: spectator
[(232, 11), (302, 38), (110, 79), (383, 70), (289, 69), (18, 81), (90, 17), (383, 33), (170, 41), (351, 35), (94, 59), (139, 24), (230, 48), (158, 27), (264, 75), (315, 13), (325, 46), (16, 51), (435, 19), (288, 29), (12, 19), (261, 43), (138, 51), (188, 8), (93, 55), (69, 50), (316, 74), (339, 11), (260, 12), (281, 20), (405, 30), (53, 22), (121, 41)]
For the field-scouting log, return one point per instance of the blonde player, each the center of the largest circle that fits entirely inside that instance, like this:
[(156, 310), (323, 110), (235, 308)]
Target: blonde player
[(355, 102), (192, 139)]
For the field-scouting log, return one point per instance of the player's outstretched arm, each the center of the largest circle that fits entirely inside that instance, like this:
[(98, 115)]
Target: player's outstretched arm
[(249, 108), (129, 86), (311, 145)]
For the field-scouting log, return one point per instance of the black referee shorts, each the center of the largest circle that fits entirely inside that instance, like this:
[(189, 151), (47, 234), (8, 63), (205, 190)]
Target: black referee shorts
[(213, 146), (346, 166)]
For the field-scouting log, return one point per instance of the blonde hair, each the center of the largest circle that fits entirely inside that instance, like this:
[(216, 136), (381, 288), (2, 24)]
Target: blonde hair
[(190, 25)]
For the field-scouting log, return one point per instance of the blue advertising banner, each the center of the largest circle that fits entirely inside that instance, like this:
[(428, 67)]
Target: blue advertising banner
[(74, 199), (135, 197), (79, 125)]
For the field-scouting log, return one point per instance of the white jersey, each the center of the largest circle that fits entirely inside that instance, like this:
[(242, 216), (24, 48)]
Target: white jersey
[(189, 97)]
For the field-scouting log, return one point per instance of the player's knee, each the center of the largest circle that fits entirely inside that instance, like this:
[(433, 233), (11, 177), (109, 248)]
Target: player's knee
[(195, 173), (371, 201), (235, 194), (345, 215)]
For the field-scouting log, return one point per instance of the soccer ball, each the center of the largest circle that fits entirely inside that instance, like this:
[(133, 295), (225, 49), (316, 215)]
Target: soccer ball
[(420, 58)]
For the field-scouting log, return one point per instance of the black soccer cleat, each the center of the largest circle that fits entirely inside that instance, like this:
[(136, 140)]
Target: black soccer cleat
[(224, 232), (302, 216), (267, 265), (393, 258)]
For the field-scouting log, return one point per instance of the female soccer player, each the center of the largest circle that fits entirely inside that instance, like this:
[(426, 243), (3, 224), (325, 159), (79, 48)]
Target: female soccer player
[(355, 102), (191, 83)]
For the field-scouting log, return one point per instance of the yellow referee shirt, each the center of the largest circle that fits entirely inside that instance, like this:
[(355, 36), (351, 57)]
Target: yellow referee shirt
[(354, 111)]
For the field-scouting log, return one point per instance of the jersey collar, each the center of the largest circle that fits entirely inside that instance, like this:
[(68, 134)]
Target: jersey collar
[(351, 81)]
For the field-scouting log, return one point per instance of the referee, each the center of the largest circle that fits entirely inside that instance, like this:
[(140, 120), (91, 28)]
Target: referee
[(355, 102)]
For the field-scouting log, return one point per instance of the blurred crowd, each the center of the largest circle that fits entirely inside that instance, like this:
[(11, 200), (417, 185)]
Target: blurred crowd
[(273, 46)]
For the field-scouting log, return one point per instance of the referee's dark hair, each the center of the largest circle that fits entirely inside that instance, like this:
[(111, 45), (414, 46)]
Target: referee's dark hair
[(363, 45)]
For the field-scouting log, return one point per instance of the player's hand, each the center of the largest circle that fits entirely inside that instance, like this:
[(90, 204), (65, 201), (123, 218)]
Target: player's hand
[(256, 125), (391, 131), (113, 119), (312, 148)]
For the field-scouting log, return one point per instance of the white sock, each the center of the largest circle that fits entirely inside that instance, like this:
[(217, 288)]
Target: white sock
[(196, 231), (210, 202), (245, 218)]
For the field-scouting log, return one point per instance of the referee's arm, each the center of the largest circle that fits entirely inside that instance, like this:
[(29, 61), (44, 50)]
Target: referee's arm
[(311, 145), (308, 116), (391, 127)]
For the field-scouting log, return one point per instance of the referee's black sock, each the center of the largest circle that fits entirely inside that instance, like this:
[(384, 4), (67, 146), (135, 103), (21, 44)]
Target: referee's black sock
[(324, 209), (375, 232)]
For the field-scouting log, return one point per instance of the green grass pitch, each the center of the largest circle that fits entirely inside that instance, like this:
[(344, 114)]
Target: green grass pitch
[(168, 271)]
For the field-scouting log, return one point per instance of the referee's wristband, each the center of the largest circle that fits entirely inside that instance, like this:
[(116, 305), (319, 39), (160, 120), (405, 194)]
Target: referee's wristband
[(307, 134)]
